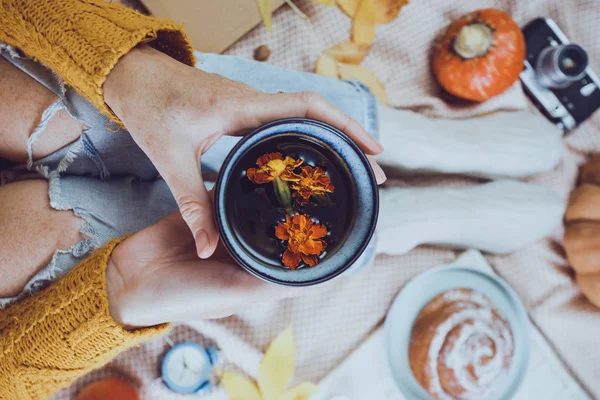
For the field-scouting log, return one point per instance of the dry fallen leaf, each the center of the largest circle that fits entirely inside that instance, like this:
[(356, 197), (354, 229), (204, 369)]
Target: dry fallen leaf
[(274, 373), (264, 6), (239, 387), (366, 77), (348, 6), (388, 10), (366, 12), (325, 2), (277, 367), (348, 52), (363, 23), (327, 66), (385, 10), (363, 32), (301, 392)]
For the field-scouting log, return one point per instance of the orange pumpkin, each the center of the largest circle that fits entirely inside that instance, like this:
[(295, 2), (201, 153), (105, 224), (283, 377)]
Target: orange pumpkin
[(480, 55), (582, 231), (113, 389)]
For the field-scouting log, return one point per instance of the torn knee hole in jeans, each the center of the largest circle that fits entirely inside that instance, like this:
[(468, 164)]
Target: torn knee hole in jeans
[(46, 117), (65, 127), (72, 250), (81, 144), (11, 51), (70, 129)]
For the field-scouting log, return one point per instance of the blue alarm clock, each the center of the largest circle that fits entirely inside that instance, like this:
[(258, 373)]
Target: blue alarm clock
[(186, 368)]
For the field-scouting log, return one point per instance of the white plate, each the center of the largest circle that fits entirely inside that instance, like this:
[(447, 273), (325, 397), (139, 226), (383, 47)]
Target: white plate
[(421, 290)]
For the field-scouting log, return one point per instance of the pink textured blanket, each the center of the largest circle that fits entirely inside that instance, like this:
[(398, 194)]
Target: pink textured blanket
[(330, 324)]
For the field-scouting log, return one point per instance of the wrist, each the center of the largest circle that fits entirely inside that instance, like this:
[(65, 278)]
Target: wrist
[(134, 82), (147, 90), (115, 287)]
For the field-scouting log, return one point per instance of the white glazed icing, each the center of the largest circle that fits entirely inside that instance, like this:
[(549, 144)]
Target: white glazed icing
[(483, 344)]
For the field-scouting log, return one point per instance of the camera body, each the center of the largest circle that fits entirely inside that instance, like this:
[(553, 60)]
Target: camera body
[(557, 76)]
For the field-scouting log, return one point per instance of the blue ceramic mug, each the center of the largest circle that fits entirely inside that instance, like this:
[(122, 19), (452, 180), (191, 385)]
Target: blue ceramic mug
[(244, 213)]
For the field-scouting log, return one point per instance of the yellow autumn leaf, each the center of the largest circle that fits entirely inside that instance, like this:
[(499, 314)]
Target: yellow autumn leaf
[(348, 6), (366, 12), (277, 367), (239, 387), (388, 10), (366, 77), (384, 10), (301, 392), (264, 6), (363, 32), (327, 66), (325, 2), (363, 23), (348, 52)]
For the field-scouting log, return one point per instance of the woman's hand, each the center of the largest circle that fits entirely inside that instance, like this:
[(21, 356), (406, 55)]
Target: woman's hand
[(175, 113), (155, 276)]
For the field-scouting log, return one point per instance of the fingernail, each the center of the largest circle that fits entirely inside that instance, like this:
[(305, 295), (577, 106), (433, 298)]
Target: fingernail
[(201, 239), (208, 251), (378, 145), (379, 174)]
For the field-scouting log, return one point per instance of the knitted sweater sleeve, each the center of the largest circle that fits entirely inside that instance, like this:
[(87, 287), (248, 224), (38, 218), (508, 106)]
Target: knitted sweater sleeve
[(49, 340), (82, 40)]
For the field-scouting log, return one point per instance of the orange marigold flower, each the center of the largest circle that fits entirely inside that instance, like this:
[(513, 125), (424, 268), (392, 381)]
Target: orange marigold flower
[(273, 165), (305, 240), (311, 181)]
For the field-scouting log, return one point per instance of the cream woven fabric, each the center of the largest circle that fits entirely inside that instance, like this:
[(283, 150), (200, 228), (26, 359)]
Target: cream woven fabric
[(334, 320)]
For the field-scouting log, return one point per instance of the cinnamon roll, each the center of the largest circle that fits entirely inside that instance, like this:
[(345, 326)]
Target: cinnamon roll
[(461, 347)]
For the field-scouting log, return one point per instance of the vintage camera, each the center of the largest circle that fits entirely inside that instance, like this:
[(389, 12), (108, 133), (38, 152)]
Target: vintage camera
[(557, 76)]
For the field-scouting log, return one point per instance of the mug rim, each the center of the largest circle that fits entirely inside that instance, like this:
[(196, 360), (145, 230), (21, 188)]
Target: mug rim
[(290, 125)]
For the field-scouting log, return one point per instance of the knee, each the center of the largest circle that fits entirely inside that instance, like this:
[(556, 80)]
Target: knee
[(31, 233)]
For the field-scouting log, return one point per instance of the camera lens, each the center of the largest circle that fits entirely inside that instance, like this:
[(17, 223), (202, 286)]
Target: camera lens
[(573, 60), (558, 66)]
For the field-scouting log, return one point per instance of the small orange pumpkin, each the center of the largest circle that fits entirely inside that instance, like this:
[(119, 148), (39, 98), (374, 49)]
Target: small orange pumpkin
[(480, 55), (582, 231), (112, 388)]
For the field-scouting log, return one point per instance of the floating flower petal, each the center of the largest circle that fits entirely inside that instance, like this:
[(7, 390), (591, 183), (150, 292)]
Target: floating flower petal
[(273, 165), (311, 181), (291, 259), (305, 240)]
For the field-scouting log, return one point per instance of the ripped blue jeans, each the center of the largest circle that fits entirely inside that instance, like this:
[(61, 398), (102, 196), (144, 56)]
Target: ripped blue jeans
[(106, 179)]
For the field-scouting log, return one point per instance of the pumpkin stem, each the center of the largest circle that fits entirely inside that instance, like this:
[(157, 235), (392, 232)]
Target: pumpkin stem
[(473, 40)]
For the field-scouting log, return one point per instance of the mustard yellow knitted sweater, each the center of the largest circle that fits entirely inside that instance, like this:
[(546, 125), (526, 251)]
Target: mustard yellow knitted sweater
[(49, 340), (82, 40)]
